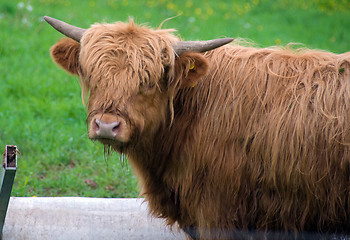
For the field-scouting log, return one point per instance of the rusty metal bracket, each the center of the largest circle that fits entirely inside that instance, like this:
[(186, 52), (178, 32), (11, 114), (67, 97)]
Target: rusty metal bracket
[(7, 176)]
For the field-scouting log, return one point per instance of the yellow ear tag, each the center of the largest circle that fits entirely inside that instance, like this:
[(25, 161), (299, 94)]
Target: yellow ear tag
[(191, 66)]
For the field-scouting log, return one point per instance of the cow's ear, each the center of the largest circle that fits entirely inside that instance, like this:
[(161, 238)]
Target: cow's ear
[(190, 67), (66, 54)]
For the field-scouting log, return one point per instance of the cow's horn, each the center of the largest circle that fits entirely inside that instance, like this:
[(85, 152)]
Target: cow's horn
[(200, 46), (69, 30)]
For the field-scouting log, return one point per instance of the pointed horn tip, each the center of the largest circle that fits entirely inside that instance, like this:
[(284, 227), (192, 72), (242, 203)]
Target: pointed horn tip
[(222, 41), (229, 39), (48, 19), (52, 21), (225, 40)]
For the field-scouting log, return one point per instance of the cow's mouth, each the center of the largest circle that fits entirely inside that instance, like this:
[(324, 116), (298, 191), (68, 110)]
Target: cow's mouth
[(111, 144), (105, 141)]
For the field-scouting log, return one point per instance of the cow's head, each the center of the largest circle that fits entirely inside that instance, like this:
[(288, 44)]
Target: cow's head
[(131, 74)]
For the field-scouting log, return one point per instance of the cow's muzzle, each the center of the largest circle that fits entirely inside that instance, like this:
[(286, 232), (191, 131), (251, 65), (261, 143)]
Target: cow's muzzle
[(109, 127), (105, 130)]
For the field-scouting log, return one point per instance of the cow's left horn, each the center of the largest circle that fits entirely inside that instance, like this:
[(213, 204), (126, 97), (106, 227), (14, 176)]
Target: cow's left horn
[(200, 46), (69, 30)]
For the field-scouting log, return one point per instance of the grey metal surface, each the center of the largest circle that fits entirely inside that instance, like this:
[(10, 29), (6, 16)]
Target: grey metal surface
[(83, 218), (7, 176)]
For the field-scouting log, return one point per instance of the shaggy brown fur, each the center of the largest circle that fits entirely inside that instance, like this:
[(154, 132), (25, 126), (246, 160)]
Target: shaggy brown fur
[(236, 138)]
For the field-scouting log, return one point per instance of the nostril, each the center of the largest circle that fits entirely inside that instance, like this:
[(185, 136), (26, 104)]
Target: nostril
[(116, 126), (96, 124)]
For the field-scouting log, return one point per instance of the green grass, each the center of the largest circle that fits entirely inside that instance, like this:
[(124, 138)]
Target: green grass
[(40, 105)]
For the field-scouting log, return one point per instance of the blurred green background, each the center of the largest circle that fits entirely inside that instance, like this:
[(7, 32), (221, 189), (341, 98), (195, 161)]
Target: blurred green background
[(40, 105)]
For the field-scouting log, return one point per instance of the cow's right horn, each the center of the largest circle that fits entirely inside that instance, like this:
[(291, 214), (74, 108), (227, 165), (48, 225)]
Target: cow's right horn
[(69, 30), (200, 46)]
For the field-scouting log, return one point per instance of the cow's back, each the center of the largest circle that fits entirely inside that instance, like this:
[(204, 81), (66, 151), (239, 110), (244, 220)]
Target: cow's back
[(263, 141)]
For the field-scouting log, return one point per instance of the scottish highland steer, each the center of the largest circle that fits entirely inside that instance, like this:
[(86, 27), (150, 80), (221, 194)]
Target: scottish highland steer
[(222, 137)]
